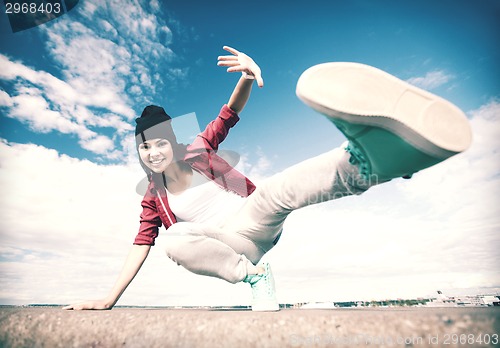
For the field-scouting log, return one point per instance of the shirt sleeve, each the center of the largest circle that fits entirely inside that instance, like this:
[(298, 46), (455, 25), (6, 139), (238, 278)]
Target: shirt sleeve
[(216, 131), (150, 222)]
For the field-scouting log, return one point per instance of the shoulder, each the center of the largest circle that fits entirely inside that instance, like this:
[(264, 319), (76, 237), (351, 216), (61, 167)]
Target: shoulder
[(150, 193)]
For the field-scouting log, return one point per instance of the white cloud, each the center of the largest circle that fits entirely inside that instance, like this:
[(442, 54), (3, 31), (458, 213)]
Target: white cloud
[(431, 80), (154, 5), (5, 99), (129, 43), (53, 196), (59, 216), (47, 104), (34, 109), (475, 172), (99, 144), (257, 166), (99, 65)]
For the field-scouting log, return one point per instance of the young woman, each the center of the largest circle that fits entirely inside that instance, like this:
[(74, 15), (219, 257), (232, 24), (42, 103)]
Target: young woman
[(219, 224)]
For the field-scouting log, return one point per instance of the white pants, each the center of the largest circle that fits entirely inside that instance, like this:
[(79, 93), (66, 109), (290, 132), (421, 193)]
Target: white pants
[(230, 251)]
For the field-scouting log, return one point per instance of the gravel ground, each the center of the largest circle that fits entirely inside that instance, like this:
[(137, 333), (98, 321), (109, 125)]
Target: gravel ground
[(125, 327)]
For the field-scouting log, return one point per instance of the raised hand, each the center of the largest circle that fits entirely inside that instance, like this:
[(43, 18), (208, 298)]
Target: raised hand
[(240, 62)]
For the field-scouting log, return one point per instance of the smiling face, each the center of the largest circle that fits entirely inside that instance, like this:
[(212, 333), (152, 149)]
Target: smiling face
[(157, 154)]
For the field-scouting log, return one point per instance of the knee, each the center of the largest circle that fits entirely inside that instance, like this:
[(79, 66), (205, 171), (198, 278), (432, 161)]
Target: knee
[(181, 250), (173, 248), (175, 241)]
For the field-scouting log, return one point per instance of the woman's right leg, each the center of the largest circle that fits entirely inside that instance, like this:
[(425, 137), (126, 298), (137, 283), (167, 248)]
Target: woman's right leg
[(208, 251), (393, 130)]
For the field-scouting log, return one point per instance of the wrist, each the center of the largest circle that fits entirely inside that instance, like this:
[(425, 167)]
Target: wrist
[(109, 302), (247, 76)]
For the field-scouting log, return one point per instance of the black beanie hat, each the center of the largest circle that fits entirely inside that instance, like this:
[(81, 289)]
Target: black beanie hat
[(154, 123)]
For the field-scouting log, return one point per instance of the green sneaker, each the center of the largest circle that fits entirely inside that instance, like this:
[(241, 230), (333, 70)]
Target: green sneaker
[(394, 129), (263, 290)]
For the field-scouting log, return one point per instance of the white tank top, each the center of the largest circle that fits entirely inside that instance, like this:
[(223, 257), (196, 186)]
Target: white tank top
[(204, 202)]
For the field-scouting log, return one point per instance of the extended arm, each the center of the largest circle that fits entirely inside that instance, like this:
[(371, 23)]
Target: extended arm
[(132, 265), (240, 62), (240, 95)]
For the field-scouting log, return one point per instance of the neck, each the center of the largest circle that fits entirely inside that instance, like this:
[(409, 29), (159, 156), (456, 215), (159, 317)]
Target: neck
[(177, 171)]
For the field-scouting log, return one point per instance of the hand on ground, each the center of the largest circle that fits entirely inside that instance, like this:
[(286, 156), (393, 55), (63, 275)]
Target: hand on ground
[(89, 305)]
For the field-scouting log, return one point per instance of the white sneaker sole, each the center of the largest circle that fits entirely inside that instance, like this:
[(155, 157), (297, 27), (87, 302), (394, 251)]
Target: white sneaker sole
[(361, 94), (268, 306)]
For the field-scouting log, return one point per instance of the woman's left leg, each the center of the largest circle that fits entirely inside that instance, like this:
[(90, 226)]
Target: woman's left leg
[(207, 250)]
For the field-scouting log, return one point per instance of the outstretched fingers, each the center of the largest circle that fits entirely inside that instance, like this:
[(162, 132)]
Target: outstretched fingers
[(230, 62), (232, 58), (231, 50)]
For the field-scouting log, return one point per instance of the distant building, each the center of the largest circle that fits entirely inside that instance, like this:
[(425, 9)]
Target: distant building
[(490, 300)]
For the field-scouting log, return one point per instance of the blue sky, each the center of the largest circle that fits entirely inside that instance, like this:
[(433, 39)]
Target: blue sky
[(70, 89)]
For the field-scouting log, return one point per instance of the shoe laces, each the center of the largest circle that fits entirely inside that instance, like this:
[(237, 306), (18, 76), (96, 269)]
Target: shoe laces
[(261, 284), (358, 158), (265, 286)]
